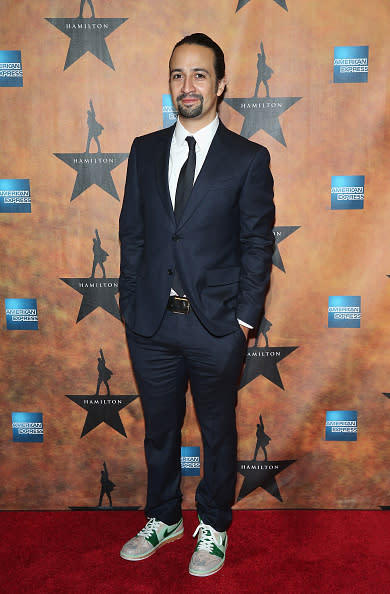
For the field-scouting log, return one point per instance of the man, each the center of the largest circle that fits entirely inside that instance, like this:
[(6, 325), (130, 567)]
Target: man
[(196, 250)]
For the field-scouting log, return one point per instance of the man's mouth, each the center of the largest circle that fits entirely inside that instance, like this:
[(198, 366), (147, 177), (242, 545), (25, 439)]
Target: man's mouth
[(188, 99)]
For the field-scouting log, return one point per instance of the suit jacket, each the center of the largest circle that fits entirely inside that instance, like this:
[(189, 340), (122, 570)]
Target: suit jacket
[(222, 247)]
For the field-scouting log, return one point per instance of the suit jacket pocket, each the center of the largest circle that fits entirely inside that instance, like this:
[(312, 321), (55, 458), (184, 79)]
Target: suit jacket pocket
[(222, 276)]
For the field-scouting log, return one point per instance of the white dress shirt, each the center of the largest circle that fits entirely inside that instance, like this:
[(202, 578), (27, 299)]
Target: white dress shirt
[(179, 153)]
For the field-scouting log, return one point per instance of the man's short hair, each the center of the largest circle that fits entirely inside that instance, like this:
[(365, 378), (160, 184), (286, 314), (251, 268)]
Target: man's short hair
[(206, 41)]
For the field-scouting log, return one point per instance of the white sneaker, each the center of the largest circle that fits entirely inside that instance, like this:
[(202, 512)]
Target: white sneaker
[(209, 554), (150, 538)]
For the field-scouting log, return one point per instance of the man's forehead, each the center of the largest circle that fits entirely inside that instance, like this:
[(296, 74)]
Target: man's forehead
[(192, 68), (191, 55)]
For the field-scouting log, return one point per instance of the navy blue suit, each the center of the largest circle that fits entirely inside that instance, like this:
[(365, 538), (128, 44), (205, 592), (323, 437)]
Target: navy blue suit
[(222, 251)]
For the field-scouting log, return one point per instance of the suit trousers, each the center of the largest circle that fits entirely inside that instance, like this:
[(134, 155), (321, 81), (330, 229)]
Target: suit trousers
[(183, 350)]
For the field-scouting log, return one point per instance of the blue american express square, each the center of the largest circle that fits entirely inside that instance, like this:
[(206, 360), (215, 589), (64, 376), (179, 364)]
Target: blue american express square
[(350, 64), (11, 73), (168, 110), (27, 426), (341, 425), (347, 192), (344, 311), (21, 314), (15, 195), (190, 461)]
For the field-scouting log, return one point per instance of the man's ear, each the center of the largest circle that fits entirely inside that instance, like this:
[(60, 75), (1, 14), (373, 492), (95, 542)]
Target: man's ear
[(221, 86)]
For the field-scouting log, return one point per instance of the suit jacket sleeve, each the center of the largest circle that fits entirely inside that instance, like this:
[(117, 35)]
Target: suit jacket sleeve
[(131, 235), (257, 215)]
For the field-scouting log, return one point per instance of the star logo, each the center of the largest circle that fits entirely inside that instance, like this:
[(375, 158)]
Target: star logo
[(242, 3), (102, 409), (281, 233), (96, 293), (264, 360), (262, 113), (87, 35), (93, 168), (261, 474)]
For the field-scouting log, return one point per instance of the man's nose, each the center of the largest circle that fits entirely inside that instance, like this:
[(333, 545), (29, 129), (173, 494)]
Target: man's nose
[(187, 85)]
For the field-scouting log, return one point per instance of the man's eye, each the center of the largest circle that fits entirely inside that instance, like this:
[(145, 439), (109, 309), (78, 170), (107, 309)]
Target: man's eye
[(176, 76), (199, 75)]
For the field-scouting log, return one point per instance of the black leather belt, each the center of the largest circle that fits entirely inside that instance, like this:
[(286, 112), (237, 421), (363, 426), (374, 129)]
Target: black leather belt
[(179, 305)]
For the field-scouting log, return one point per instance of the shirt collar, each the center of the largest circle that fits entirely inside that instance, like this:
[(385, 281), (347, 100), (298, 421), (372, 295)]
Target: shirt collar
[(203, 137)]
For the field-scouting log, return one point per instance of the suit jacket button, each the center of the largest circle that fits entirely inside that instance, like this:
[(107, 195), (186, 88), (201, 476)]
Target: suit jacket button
[(175, 237), (170, 271)]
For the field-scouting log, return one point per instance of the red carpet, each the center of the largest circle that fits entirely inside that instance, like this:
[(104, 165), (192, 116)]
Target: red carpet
[(269, 552)]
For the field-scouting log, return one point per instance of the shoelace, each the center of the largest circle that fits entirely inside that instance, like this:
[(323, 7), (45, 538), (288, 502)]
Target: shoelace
[(207, 538), (151, 526)]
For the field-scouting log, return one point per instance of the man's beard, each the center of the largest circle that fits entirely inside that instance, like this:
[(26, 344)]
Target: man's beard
[(189, 112)]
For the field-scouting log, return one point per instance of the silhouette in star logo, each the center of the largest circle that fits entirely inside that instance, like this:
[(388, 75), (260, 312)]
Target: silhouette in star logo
[(82, 4), (96, 292), (241, 4), (280, 233), (104, 374), (264, 360), (102, 409), (99, 255), (106, 488), (262, 440), (93, 168), (264, 72), (261, 474), (94, 128), (262, 113), (87, 35)]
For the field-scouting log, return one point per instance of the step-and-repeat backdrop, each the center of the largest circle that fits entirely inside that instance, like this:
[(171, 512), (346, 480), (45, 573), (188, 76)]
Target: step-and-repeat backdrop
[(80, 80)]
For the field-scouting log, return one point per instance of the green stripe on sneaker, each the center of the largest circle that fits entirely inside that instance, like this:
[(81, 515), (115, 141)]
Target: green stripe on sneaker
[(153, 539)]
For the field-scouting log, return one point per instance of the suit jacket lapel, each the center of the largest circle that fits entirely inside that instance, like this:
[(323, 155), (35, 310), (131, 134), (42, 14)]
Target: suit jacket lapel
[(206, 175), (162, 164)]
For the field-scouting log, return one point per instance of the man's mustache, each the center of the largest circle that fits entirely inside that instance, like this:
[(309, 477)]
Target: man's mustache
[(189, 95)]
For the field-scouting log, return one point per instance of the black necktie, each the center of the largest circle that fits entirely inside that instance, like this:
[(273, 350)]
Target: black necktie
[(186, 179), (183, 191)]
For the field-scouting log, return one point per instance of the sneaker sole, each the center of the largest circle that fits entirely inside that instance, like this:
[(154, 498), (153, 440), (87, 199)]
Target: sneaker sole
[(193, 572), (167, 540), (206, 574)]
